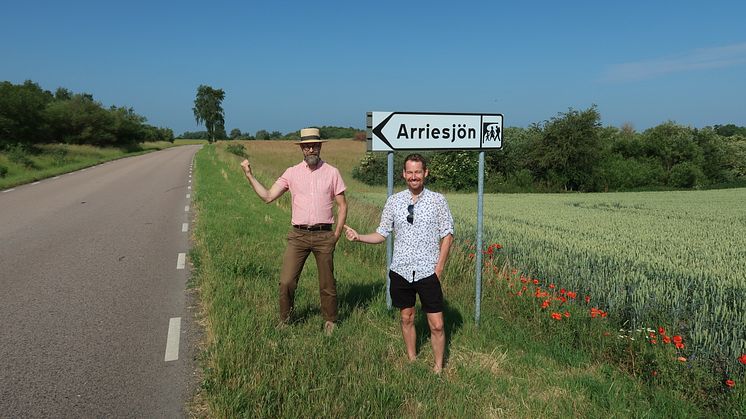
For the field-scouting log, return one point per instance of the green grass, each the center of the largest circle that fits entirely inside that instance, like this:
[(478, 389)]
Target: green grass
[(48, 160), (516, 363)]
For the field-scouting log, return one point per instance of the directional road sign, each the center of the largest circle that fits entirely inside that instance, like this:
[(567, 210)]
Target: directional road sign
[(390, 131)]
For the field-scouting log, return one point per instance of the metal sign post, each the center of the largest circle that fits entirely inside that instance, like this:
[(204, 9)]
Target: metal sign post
[(478, 249), (389, 239), (391, 131)]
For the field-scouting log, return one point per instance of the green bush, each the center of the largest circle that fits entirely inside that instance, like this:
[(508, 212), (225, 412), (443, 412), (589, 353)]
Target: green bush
[(59, 156), (19, 154), (686, 175), (237, 149), (3, 171), (372, 169), (455, 170)]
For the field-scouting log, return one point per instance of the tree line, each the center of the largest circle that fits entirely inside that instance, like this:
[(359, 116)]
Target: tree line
[(574, 152), (30, 115), (327, 132)]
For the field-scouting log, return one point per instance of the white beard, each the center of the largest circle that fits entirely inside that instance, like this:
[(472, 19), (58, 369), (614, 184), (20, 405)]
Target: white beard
[(312, 160)]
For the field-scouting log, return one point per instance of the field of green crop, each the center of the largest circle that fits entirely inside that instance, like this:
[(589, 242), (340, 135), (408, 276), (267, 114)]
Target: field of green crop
[(649, 258)]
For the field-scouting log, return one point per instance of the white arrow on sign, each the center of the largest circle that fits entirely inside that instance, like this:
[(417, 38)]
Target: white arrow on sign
[(427, 131)]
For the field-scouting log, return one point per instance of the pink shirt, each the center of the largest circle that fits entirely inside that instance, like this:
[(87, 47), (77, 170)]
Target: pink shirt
[(312, 192)]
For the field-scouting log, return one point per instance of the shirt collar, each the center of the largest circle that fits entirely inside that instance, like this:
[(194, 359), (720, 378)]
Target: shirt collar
[(318, 166), (420, 196)]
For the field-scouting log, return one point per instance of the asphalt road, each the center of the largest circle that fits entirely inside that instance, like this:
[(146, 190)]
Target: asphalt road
[(90, 292)]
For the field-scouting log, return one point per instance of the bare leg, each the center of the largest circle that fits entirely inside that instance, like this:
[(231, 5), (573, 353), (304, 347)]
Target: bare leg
[(408, 332), (437, 339)]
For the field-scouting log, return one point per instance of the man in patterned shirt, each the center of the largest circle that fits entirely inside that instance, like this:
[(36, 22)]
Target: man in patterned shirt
[(424, 233), (315, 186)]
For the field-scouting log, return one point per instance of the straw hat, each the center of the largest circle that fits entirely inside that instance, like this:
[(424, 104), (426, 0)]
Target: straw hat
[(310, 135)]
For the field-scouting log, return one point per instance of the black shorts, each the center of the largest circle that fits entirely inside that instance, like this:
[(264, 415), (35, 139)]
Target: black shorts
[(403, 293)]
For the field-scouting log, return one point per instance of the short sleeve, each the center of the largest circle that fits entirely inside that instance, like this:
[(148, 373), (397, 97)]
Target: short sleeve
[(387, 218), (284, 180), (445, 218), (339, 183)]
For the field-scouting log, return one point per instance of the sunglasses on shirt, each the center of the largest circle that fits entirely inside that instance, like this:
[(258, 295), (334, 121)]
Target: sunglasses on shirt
[(410, 217)]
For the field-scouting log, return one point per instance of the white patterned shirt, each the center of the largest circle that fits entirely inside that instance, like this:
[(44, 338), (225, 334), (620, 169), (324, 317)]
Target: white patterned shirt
[(416, 245)]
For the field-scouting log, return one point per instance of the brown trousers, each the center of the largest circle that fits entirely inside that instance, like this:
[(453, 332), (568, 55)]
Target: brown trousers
[(300, 244)]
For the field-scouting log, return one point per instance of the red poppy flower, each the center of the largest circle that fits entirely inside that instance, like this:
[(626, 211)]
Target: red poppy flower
[(563, 291), (556, 316), (604, 314), (677, 339), (679, 345), (567, 314), (536, 282), (545, 304), (742, 359), (666, 339), (653, 341), (572, 294), (662, 331), (551, 286), (587, 299), (730, 383)]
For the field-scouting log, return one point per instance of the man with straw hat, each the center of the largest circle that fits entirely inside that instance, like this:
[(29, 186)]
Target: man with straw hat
[(314, 186)]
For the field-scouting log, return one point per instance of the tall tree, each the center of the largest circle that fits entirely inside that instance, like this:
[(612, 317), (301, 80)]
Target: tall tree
[(569, 149), (208, 110)]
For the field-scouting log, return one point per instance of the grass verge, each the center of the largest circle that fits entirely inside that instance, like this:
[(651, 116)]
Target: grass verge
[(21, 165)]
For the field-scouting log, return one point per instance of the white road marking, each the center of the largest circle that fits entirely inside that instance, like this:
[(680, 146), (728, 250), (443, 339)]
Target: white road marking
[(36, 183), (189, 187), (56, 177), (172, 342), (186, 208), (184, 227), (190, 180), (189, 196), (181, 261), (9, 190)]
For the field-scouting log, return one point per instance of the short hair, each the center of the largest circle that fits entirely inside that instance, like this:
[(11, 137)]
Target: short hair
[(417, 158)]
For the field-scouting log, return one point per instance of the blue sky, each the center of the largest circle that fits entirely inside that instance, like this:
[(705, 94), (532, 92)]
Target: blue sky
[(285, 65)]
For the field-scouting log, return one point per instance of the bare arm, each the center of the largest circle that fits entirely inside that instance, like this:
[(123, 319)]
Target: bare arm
[(341, 214), (266, 195), (445, 247), (372, 238)]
